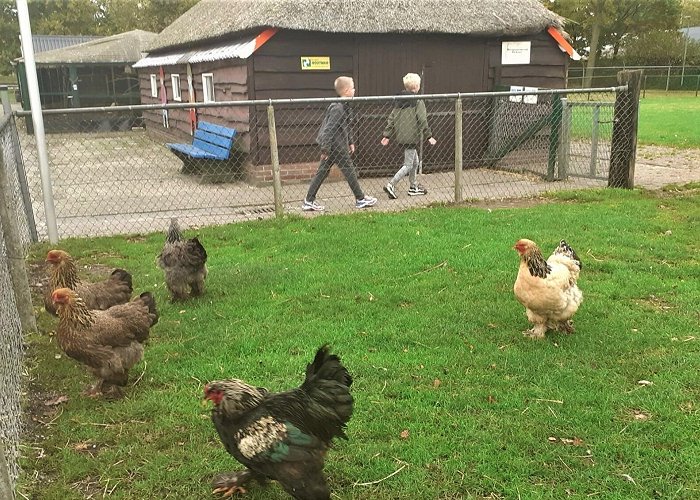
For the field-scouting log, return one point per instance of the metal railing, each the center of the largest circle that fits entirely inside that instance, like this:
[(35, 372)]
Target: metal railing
[(112, 172), (667, 78)]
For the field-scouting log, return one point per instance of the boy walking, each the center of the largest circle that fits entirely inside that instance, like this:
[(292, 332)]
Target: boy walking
[(337, 144), (407, 123)]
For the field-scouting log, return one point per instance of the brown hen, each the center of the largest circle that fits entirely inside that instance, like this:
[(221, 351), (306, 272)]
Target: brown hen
[(184, 263), (104, 294), (108, 342)]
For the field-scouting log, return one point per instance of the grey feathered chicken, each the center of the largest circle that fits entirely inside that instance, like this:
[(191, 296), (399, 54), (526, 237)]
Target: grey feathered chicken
[(184, 263), (283, 436)]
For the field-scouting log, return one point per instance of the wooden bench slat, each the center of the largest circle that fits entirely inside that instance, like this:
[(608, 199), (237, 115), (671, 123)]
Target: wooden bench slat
[(204, 136), (217, 129), (218, 152)]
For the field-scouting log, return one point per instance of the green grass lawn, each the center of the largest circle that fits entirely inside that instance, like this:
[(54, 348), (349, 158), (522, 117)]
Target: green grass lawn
[(670, 119), (419, 305), (665, 119)]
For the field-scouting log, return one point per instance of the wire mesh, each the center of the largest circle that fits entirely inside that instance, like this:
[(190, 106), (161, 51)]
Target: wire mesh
[(112, 171), (10, 325)]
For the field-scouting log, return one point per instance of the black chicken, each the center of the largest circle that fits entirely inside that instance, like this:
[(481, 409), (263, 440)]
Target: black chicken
[(283, 436), (184, 263)]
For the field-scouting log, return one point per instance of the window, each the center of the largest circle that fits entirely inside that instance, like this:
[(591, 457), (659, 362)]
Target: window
[(208, 86), (177, 95), (154, 86)]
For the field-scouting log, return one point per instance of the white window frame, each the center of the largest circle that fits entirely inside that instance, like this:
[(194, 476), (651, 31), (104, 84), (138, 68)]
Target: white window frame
[(208, 87), (154, 85), (177, 92)]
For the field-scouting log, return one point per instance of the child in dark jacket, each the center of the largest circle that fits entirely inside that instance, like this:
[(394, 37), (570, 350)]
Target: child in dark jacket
[(337, 144), (407, 124)]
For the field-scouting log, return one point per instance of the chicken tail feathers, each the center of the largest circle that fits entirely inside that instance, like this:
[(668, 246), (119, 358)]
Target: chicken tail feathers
[(327, 366), (197, 249), (327, 384), (565, 249), (150, 302), (123, 276)]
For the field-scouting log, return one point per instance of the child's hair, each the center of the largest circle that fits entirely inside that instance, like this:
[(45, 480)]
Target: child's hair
[(411, 79), (341, 83)]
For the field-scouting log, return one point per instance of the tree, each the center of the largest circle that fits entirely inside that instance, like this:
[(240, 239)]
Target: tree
[(598, 24), (615, 19), (84, 17)]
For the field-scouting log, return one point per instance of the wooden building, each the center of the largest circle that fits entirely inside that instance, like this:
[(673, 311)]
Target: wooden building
[(97, 72), (264, 49)]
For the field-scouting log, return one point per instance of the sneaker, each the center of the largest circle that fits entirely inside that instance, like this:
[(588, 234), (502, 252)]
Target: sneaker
[(365, 202), (312, 206), (417, 190), (389, 189)]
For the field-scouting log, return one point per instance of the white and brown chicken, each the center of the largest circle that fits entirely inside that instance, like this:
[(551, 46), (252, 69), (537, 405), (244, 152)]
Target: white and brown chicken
[(548, 288)]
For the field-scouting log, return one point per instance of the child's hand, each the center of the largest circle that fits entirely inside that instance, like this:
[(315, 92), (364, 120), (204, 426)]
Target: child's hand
[(384, 141), (432, 141), (352, 148)]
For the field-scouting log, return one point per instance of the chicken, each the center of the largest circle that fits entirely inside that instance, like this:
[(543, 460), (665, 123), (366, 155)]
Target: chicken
[(108, 342), (548, 289), (184, 263), (283, 436), (114, 290)]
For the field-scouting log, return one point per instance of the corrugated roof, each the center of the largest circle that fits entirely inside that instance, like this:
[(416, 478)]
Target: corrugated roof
[(241, 48), (124, 48), (211, 20), (43, 43)]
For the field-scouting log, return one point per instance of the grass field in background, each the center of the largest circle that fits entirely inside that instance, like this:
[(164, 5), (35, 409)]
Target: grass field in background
[(419, 305), (669, 119)]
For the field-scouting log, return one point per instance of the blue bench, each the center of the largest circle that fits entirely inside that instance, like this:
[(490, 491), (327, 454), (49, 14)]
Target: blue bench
[(211, 145)]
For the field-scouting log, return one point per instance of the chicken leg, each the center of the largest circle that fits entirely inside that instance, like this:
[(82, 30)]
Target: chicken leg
[(536, 332), (229, 483)]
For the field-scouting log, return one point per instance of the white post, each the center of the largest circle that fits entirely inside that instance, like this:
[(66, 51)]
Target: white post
[(25, 30)]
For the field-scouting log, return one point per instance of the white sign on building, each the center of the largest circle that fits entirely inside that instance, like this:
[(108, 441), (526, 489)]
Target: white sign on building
[(515, 52)]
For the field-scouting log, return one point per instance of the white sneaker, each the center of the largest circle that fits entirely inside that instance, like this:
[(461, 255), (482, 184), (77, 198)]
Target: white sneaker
[(389, 190), (365, 202), (312, 206)]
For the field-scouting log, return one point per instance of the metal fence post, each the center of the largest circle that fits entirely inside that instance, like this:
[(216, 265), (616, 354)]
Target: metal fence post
[(554, 129), (275, 159), (595, 126), (6, 490), (623, 145), (6, 108), (458, 149), (15, 254), (564, 140)]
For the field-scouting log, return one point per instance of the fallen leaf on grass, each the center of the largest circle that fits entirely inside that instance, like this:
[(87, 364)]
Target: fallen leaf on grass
[(645, 382), (436, 383), (640, 415), (571, 442), (56, 401), (404, 434)]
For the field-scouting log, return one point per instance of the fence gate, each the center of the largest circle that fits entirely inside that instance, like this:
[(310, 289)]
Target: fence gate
[(586, 132)]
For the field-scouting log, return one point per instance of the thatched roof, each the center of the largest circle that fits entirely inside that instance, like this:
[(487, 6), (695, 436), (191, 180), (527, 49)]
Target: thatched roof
[(212, 20), (124, 48)]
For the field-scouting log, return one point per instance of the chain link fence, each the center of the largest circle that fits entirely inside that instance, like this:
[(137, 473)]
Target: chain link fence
[(113, 173), (11, 341)]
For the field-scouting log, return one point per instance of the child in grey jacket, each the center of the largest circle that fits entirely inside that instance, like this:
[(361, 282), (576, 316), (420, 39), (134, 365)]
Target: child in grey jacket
[(337, 144), (407, 124)]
